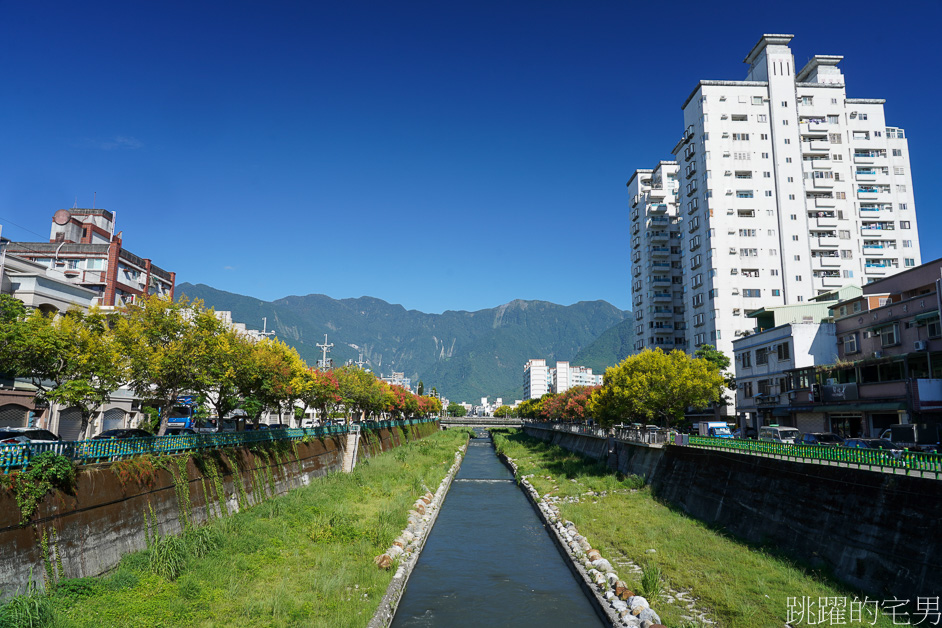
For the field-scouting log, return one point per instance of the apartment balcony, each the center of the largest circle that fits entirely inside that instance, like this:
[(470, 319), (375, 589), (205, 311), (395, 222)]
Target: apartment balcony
[(826, 261), (666, 265), (817, 127), (868, 175), (659, 221), (660, 297), (879, 249), (829, 243), (661, 280), (874, 230), (662, 313), (657, 208), (867, 194), (875, 270), (659, 251), (820, 164), (657, 236), (823, 202), (829, 222), (865, 158), (824, 183), (657, 193), (830, 282), (816, 146)]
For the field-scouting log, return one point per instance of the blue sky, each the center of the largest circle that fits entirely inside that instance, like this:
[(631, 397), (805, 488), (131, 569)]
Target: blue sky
[(437, 155)]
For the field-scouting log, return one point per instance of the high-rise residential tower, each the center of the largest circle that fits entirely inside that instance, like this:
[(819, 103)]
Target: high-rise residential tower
[(787, 189)]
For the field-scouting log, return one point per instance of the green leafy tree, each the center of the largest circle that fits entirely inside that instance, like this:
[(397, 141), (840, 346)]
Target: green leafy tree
[(719, 359), (362, 393), (503, 412), (656, 386), (456, 410), (165, 343), (420, 389), (72, 360), (316, 389)]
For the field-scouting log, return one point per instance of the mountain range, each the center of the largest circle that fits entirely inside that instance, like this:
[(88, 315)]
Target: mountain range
[(465, 355)]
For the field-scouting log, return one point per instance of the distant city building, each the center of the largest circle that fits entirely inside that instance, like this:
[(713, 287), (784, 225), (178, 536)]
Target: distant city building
[(783, 189), (538, 379), (84, 248), (398, 379)]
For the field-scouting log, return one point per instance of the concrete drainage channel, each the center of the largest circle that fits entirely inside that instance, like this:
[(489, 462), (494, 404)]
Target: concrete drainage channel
[(613, 601), (409, 545)]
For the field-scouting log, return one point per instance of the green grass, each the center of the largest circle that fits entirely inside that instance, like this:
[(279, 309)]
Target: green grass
[(304, 559), (737, 584)]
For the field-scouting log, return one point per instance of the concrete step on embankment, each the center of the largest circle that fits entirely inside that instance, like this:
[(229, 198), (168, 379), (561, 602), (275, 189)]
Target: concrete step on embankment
[(350, 451)]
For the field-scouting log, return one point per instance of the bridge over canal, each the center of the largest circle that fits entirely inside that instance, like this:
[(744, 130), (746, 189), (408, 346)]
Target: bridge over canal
[(480, 421)]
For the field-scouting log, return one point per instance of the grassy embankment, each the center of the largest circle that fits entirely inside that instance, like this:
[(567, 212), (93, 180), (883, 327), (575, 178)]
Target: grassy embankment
[(737, 585), (303, 559)]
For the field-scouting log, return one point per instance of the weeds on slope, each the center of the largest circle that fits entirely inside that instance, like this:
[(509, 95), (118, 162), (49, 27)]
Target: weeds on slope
[(736, 584), (303, 559)]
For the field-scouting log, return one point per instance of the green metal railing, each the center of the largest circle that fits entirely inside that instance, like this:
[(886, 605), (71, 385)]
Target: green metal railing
[(884, 459), (18, 456)]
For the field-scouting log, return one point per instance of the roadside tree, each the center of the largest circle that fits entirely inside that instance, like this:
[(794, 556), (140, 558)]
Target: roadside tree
[(657, 387)]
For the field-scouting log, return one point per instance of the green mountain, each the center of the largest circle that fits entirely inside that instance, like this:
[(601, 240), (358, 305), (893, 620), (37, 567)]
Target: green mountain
[(613, 346), (465, 355)]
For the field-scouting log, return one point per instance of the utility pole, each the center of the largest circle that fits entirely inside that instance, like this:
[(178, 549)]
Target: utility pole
[(360, 362), (325, 348), (265, 331)]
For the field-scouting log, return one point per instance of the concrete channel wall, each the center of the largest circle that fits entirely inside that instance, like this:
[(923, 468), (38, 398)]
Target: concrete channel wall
[(115, 509), (878, 532)]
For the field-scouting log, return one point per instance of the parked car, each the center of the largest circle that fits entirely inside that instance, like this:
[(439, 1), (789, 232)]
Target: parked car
[(278, 426), (777, 434), (12, 435), (828, 439), (123, 433), (875, 443)]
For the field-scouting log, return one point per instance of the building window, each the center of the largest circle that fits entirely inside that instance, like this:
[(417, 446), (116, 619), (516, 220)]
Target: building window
[(889, 335), (746, 359), (784, 351), (904, 224), (909, 262), (744, 194), (740, 137), (934, 328), (763, 118), (757, 100), (762, 357), (897, 152), (903, 206), (747, 390), (850, 343), (776, 292)]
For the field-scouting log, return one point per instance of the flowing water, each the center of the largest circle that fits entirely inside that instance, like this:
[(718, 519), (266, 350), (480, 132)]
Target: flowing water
[(489, 561)]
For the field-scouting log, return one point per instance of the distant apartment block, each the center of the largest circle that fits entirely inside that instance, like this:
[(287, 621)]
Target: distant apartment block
[(538, 379), (84, 248), (783, 189)]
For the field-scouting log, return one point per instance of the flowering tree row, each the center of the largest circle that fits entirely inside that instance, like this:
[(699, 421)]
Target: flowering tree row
[(162, 349), (651, 386)]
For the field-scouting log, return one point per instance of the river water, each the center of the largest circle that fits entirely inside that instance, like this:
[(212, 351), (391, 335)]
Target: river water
[(489, 561)]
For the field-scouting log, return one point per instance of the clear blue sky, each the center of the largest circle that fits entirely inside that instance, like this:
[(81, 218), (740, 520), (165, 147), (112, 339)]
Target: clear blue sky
[(441, 155)]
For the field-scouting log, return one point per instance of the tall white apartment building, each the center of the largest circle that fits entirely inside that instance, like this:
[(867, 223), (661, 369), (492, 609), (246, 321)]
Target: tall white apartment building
[(657, 258), (788, 189), (560, 376), (536, 379)]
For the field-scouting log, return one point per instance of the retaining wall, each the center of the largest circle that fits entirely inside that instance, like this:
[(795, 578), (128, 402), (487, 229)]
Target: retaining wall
[(114, 510), (878, 532)]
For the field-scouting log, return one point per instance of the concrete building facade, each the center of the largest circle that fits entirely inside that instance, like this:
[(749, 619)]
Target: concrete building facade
[(787, 189), (84, 248)]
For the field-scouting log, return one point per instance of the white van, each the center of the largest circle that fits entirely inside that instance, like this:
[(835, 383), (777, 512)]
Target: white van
[(776, 434)]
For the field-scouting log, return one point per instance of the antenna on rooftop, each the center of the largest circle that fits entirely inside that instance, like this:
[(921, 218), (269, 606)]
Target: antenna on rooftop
[(265, 331)]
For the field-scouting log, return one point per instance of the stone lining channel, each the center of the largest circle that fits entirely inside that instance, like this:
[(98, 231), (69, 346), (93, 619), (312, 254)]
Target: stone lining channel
[(488, 561)]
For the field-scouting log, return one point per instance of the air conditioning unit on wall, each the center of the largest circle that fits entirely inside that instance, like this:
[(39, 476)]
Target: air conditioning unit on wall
[(920, 345)]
